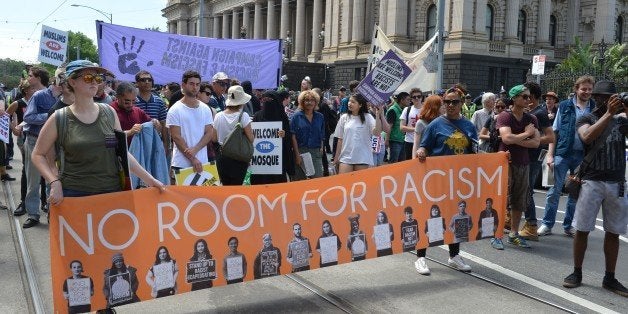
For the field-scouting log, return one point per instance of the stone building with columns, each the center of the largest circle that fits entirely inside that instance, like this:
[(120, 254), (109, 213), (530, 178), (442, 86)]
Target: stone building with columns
[(489, 43)]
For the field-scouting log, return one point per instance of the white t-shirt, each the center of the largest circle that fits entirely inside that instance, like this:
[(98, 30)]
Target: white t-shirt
[(356, 139), (226, 122), (192, 122), (412, 117)]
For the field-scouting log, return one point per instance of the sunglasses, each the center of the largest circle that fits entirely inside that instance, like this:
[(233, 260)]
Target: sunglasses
[(451, 101), (145, 80), (207, 93), (224, 84), (525, 97), (90, 78), (417, 97)]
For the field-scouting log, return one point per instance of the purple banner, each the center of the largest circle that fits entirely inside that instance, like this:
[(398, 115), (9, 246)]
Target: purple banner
[(126, 50), (384, 79)]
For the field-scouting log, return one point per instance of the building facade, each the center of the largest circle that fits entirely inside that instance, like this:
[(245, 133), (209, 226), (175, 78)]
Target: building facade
[(489, 44)]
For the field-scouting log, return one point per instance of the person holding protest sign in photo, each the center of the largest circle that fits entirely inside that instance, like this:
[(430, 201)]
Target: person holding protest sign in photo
[(299, 250), (78, 289), (354, 132), (451, 134), (268, 260), (357, 239), (162, 276), (202, 254), (383, 234), (461, 223), (234, 264), (328, 245), (409, 231), (120, 283)]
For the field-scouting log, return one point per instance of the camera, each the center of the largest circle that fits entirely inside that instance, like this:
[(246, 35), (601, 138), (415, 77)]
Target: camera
[(624, 100)]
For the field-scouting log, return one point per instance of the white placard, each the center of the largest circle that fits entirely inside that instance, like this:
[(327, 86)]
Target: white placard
[(300, 254), (308, 164), (79, 291), (488, 225), (234, 268), (435, 229), (329, 249), (358, 245), (164, 276), (268, 148), (53, 45), (381, 233), (4, 128), (538, 65)]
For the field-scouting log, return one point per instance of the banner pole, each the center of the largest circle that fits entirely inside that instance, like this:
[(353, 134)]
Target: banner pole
[(441, 43)]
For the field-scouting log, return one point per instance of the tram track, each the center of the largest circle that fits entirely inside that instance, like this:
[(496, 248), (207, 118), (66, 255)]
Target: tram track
[(29, 279)]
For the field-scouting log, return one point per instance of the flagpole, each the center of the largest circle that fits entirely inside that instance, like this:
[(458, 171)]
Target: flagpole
[(441, 43)]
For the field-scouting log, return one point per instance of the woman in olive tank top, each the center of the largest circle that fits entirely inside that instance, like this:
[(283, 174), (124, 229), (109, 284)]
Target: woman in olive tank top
[(88, 142)]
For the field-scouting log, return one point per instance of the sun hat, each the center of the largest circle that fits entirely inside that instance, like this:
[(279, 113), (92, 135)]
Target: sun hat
[(78, 65), (604, 88), (220, 76), (236, 96), (550, 94), (515, 91)]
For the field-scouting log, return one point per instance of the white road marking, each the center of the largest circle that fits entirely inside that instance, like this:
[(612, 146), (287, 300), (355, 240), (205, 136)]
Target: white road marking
[(596, 226), (541, 285)]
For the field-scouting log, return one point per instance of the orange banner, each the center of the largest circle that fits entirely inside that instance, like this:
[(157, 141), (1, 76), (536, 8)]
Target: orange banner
[(118, 248)]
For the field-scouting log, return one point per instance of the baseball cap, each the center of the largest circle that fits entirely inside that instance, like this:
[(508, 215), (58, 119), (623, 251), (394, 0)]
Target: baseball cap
[(515, 91), (220, 76), (78, 65)]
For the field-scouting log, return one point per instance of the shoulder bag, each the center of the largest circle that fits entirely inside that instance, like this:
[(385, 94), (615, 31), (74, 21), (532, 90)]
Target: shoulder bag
[(237, 146)]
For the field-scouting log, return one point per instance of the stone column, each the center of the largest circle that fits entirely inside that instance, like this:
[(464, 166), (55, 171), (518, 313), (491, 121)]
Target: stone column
[(335, 26), (573, 19), (182, 27), (216, 31), (317, 20), (358, 17), (299, 36), (246, 17), (398, 26), (461, 27), (257, 20), (512, 19), (271, 28), (383, 15), (542, 31), (225, 25), (284, 27), (605, 21), (480, 18), (235, 24), (328, 22), (345, 31)]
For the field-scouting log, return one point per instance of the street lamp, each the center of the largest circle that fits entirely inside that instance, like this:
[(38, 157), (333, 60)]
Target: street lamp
[(106, 14)]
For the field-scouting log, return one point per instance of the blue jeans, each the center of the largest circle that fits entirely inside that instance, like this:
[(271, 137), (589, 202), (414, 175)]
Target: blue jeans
[(535, 170), (397, 152), (561, 165)]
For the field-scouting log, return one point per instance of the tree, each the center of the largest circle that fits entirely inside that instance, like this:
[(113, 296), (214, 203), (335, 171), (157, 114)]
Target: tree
[(153, 28), (86, 46)]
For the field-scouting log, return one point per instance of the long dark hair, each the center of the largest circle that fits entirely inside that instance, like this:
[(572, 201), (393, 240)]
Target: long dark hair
[(168, 258), (364, 107), (331, 228), (437, 208), (385, 217), (206, 251)]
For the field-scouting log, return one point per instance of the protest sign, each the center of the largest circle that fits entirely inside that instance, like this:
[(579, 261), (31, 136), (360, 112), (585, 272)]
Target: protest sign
[(92, 229), (52, 45), (5, 124), (126, 50), (384, 79), (267, 156), (208, 177)]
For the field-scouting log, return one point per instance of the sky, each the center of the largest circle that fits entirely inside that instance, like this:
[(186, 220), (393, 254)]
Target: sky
[(21, 20)]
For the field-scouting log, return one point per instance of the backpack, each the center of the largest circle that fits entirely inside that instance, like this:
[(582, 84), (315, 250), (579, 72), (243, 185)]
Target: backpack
[(495, 140)]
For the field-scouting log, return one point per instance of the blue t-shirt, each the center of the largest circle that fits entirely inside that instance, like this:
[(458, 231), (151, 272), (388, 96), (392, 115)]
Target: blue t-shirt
[(344, 105), (154, 107), (440, 138), (308, 134)]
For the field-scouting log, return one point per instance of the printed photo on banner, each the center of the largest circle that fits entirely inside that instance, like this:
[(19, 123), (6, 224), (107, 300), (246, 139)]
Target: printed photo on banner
[(126, 50), (267, 157), (384, 79), (187, 176), (255, 232)]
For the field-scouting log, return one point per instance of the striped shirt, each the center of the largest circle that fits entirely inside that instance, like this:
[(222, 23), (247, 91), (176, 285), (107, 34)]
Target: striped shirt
[(154, 107)]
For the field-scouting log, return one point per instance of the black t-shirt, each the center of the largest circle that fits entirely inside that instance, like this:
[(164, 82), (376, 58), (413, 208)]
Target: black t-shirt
[(609, 163), (21, 108), (540, 113)]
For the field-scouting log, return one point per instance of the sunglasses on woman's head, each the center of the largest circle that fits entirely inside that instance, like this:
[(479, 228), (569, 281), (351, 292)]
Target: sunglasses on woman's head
[(90, 78)]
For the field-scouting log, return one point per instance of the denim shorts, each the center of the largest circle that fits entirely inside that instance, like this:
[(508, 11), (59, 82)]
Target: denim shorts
[(614, 207)]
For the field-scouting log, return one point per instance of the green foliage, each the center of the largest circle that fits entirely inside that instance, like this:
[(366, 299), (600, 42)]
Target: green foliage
[(582, 58), (11, 72), (86, 46), (153, 28)]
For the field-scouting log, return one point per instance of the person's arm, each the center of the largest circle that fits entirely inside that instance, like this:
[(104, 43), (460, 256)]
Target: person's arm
[(484, 135), (589, 133), (514, 139), (403, 124), (295, 147), (377, 130), (44, 145), (175, 132), (32, 115)]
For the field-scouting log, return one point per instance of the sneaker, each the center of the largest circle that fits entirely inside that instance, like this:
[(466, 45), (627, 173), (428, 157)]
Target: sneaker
[(421, 266), (528, 232), (497, 243), (518, 241), (457, 263), (6, 177), (570, 232), (507, 222), (30, 222), (615, 286), (572, 281), (20, 210), (543, 230)]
